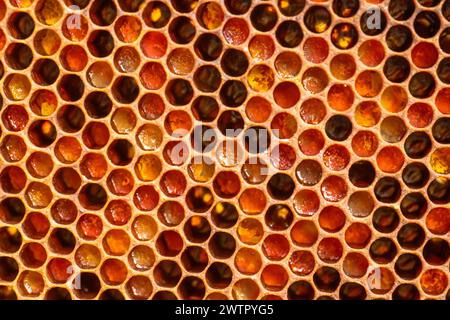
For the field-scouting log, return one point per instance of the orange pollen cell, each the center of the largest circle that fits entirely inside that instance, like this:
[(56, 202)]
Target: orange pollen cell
[(232, 149)]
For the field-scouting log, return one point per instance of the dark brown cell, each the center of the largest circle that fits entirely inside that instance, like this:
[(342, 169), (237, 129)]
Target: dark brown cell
[(352, 291), (441, 130), (396, 69), (207, 78), (338, 127), (385, 219), (345, 8), (264, 17), (399, 38), (422, 84), (355, 265), (415, 175), (233, 93), (18, 56), (438, 190), (401, 9), (406, 291), (103, 12), (344, 36), (436, 251), (289, 34), (367, 23)]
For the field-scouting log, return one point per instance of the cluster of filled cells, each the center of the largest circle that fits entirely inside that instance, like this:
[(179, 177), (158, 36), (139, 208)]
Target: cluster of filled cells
[(108, 192)]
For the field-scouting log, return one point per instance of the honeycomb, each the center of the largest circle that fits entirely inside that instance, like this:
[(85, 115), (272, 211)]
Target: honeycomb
[(232, 149)]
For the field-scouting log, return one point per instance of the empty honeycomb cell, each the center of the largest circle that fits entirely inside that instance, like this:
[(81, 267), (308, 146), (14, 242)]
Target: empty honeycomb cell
[(111, 294), (444, 38), (438, 190), (422, 85), (61, 241)]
